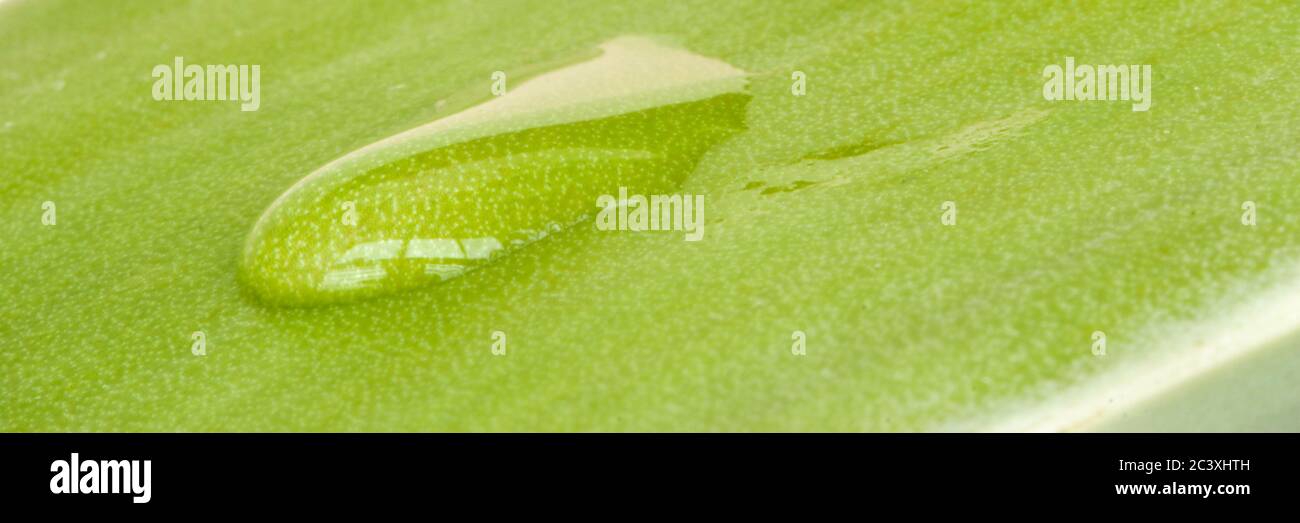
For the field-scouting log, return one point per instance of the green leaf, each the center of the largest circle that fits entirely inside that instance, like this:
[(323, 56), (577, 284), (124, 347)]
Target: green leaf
[(824, 216)]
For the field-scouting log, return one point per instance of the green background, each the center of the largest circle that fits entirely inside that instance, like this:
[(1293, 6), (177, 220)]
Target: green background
[(1073, 217)]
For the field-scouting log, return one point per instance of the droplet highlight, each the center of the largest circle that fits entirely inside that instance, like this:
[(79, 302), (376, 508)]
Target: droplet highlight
[(436, 201)]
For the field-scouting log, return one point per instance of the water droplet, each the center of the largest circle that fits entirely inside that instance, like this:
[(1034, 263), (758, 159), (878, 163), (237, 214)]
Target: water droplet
[(433, 202)]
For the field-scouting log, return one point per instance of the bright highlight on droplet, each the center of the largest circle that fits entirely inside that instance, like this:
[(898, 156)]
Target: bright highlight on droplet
[(433, 202)]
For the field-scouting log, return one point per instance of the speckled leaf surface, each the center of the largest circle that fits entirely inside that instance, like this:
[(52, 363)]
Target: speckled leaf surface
[(823, 217)]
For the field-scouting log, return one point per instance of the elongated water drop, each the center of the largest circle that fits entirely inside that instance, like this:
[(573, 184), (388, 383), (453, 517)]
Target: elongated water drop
[(430, 203)]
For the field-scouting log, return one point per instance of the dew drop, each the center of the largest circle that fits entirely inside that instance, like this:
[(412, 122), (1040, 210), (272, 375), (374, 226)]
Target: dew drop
[(433, 202)]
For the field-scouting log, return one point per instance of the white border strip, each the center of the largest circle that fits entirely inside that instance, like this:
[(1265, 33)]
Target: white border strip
[(1242, 330)]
